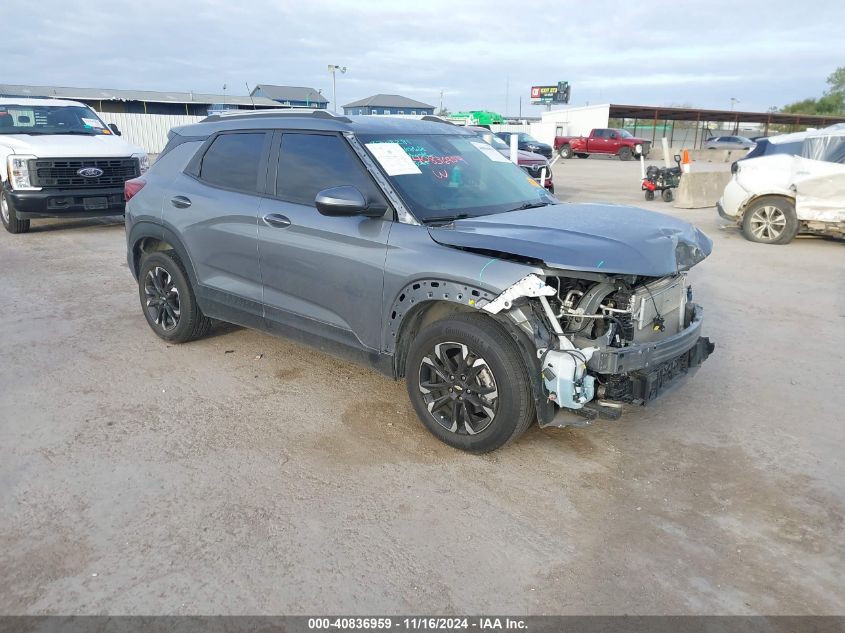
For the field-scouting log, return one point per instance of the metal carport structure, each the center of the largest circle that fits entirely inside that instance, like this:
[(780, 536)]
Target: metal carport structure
[(653, 114)]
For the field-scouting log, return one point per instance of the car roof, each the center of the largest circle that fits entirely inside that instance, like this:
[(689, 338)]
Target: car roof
[(321, 121), (29, 101)]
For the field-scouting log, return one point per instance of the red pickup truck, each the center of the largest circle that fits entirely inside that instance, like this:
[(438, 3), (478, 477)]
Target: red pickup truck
[(603, 141)]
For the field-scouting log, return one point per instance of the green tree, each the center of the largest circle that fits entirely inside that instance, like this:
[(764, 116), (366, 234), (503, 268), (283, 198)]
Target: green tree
[(836, 81), (832, 102)]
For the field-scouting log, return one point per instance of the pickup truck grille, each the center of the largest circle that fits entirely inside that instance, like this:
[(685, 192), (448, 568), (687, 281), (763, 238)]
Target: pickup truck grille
[(63, 172)]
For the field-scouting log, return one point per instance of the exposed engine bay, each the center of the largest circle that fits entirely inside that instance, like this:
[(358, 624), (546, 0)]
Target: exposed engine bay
[(607, 339)]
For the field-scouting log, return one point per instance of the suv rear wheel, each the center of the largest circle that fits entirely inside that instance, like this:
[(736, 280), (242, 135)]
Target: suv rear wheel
[(468, 383), (10, 219), (168, 300)]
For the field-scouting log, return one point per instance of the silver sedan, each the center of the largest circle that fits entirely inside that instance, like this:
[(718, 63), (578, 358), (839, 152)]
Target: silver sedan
[(729, 142)]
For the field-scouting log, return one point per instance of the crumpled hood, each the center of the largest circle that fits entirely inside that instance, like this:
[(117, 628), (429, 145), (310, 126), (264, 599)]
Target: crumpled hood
[(68, 145), (586, 237)]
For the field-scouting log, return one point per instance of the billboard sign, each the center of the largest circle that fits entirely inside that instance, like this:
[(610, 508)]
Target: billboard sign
[(551, 94)]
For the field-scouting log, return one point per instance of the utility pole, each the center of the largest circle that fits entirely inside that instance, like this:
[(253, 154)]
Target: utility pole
[(332, 69), (520, 106), (441, 102), (507, 93)]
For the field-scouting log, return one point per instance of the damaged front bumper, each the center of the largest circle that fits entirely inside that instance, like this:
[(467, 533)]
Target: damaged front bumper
[(616, 360), (636, 387), (580, 381)]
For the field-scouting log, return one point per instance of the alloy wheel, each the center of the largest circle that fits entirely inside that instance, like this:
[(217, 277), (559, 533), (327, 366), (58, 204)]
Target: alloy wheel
[(767, 223), (162, 298), (459, 388)]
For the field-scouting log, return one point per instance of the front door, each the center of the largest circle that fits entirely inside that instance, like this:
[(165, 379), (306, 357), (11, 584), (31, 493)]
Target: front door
[(322, 275)]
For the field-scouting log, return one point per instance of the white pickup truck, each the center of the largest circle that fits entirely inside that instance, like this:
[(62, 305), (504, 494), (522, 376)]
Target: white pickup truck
[(58, 159)]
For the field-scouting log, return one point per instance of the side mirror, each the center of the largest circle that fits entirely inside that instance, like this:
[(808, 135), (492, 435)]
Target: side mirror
[(678, 158), (115, 130), (345, 201)]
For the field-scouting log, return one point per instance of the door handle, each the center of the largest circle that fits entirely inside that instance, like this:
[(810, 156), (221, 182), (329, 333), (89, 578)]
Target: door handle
[(277, 220), (180, 202)]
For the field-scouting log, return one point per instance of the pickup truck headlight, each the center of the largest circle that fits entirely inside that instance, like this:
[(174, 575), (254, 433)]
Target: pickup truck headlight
[(638, 148), (143, 162), (18, 169)]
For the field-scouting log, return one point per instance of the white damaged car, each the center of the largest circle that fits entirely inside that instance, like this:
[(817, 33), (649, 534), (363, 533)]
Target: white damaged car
[(774, 198)]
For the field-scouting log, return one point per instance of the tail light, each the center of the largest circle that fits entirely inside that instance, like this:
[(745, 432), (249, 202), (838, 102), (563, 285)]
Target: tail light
[(131, 187)]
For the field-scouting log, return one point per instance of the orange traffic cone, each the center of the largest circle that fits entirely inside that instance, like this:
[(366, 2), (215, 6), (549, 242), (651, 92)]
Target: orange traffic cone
[(685, 161)]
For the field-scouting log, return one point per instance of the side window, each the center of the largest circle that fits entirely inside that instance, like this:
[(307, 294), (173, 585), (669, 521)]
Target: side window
[(309, 163), (601, 133), (232, 161)]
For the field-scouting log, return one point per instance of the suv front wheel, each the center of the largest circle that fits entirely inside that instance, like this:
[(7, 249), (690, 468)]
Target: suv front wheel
[(168, 300), (770, 220), (10, 219), (468, 383)]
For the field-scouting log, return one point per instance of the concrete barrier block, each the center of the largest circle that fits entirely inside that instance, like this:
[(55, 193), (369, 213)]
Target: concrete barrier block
[(703, 155), (700, 189)]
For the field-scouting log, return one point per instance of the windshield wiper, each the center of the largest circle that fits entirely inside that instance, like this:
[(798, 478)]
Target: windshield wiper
[(531, 205), (78, 132), (447, 218)]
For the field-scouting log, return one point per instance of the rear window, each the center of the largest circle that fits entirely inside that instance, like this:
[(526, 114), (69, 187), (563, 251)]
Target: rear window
[(232, 161)]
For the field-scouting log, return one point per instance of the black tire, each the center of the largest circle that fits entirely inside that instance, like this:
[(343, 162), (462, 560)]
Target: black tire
[(566, 151), (167, 299), (667, 195), (489, 357), (582, 155), (9, 216), (770, 220), (649, 194), (625, 153)]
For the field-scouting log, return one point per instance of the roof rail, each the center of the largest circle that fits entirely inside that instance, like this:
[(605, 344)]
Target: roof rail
[(298, 112)]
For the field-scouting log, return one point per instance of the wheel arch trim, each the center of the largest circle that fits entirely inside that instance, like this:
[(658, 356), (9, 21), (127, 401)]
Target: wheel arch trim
[(150, 230), (743, 208)]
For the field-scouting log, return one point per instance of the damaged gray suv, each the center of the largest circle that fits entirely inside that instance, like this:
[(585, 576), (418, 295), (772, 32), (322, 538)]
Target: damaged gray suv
[(417, 248)]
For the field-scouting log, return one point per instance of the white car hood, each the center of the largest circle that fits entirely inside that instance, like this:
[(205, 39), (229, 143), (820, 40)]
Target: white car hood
[(68, 145)]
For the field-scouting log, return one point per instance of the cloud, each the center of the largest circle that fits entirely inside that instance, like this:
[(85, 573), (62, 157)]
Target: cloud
[(763, 52)]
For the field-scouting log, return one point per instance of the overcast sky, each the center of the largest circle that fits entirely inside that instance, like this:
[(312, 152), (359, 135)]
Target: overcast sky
[(702, 53)]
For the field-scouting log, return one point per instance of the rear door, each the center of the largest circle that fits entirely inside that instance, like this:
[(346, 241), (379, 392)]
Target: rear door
[(213, 206), (819, 190), (322, 275)]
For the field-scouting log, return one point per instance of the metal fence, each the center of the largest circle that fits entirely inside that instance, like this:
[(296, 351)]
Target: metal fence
[(148, 131)]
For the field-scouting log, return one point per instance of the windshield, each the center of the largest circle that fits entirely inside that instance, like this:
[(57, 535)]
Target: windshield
[(625, 134), (442, 177), (527, 138), (49, 119)]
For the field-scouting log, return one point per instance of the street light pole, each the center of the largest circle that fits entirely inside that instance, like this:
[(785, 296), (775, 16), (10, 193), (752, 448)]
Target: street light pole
[(332, 69), (733, 101)]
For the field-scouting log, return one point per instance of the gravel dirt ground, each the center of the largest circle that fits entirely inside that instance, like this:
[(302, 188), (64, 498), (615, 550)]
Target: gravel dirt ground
[(246, 474)]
